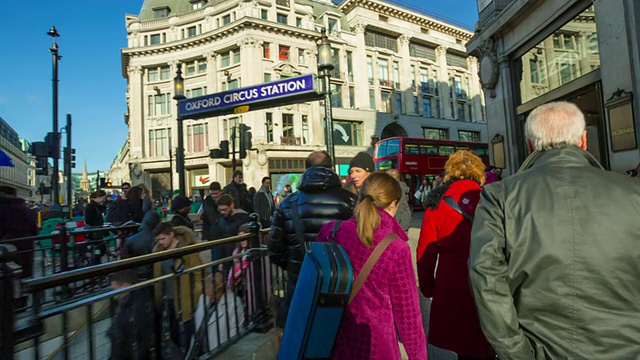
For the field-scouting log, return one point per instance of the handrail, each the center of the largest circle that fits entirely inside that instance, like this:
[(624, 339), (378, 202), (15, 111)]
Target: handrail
[(111, 267), (72, 233)]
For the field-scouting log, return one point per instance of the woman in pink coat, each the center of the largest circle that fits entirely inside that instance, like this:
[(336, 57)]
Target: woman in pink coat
[(389, 297)]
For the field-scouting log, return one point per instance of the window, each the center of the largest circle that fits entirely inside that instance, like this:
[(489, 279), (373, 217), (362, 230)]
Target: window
[(567, 72), (396, 75), (159, 142), (266, 51), (228, 57), (457, 86), (461, 111), (335, 60), (195, 5), (287, 125), (336, 95), (196, 92), (377, 39), (190, 69), (456, 60), (155, 39), (283, 54), (333, 26), (165, 73), (568, 42), (298, 22), (267, 77), (370, 69), (282, 18), (350, 65), (300, 57), (437, 113), (383, 72), (191, 31), (152, 75), (372, 99), (473, 136), (399, 103), (161, 12), (197, 137), (202, 66), (347, 133), (426, 107), (269, 128), (305, 129), (533, 67), (226, 19), (352, 97), (435, 133), (556, 42), (264, 14), (435, 82), (384, 97), (422, 51), (446, 150), (234, 84), (159, 104)]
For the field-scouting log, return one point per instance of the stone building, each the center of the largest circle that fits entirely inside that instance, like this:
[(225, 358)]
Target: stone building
[(397, 73), (583, 51), (19, 175)]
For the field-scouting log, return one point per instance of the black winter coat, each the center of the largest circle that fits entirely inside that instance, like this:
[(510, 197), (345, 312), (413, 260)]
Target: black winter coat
[(210, 219), (93, 214), (142, 243), (181, 220), (240, 195), (131, 331), (321, 199)]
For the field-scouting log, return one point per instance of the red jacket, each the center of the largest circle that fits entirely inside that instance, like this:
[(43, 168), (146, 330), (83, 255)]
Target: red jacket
[(445, 238)]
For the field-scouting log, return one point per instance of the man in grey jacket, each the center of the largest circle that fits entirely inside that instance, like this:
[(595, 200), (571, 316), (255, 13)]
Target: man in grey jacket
[(403, 215), (263, 203), (555, 250)]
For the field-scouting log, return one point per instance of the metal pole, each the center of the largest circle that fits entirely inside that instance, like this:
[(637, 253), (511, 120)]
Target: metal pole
[(55, 207), (328, 117), (69, 162), (170, 168), (180, 159)]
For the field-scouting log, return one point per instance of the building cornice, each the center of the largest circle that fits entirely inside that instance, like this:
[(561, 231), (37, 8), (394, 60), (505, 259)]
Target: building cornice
[(408, 16), (246, 23)]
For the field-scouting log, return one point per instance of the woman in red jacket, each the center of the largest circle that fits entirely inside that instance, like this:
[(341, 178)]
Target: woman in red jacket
[(445, 238)]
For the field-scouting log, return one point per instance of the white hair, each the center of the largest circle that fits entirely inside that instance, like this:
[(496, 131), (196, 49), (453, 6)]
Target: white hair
[(554, 125)]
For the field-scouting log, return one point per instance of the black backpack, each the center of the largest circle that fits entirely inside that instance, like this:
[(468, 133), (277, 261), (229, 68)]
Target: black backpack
[(119, 212)]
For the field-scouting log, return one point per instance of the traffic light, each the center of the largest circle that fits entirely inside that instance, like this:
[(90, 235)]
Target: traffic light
[(224, 148), (245, 140), (52, 142), (102, 183), (42, 166), (70, 157), (109, 184)]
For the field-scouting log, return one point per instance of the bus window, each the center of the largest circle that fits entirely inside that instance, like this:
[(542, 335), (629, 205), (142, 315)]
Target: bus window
[(480, 152), (428, 150), (446, 150), (411, 149), (381, 149), (393, 147), (462, 148), (387, 165)]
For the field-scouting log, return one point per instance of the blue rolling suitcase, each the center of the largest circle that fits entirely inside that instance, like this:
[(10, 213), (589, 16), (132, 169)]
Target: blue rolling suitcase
[(321, 296)]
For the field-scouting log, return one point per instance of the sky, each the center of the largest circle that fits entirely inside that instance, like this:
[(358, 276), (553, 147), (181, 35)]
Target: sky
[(91, 86)]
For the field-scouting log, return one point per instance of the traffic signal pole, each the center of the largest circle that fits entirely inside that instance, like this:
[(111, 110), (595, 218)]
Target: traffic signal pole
[(233, 150), (55, 210), (69, 161)]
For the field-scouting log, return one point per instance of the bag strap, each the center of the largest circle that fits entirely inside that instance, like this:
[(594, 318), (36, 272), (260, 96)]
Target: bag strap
[(370, 263), (454, 205)]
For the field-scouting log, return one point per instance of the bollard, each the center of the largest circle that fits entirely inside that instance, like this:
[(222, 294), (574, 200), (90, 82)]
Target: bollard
[(9, 272), (262, 319)]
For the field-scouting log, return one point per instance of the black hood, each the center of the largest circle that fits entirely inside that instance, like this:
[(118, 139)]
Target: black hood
[(150, 221), (435, 196), (317, 179)]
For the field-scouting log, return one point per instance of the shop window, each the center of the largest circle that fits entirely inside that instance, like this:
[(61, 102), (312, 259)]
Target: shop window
[(347, 133)]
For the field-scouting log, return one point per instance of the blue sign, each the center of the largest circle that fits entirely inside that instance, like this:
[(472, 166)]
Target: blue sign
[(277, 93)]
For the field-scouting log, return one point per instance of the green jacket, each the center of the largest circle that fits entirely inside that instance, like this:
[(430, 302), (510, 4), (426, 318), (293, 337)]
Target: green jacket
[(554, 263)]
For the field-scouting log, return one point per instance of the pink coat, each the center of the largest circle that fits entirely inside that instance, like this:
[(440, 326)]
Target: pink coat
[(388, 298)]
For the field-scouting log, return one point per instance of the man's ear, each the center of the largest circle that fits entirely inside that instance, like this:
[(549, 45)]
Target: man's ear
[(583, 140)]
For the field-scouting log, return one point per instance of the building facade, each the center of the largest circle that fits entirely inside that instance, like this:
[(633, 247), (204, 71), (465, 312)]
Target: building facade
[(582, 51), (17, 176), (397, 73)]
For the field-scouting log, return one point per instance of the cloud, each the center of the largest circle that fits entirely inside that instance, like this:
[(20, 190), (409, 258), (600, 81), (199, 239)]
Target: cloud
[(34, 99)]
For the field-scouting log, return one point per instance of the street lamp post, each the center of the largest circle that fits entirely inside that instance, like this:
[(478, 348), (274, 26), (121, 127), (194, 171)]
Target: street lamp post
[(55, 210), (178, 83), (325, 65)]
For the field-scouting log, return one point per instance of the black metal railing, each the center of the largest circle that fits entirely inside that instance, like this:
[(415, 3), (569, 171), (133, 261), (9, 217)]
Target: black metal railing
[(242, 287)]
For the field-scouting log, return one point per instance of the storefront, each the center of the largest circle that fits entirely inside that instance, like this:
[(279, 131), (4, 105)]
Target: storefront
[(534, 52)]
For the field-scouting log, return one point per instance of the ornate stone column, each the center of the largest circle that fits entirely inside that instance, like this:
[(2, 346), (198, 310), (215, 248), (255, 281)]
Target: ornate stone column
[(405, 75), (136, 112), (443, 83), (360, 67)]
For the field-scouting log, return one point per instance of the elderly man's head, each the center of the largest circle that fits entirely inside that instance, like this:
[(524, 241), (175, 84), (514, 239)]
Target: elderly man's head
[(555, 125)]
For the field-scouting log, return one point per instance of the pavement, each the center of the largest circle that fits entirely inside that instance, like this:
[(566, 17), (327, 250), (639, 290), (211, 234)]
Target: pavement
[(265, 346)]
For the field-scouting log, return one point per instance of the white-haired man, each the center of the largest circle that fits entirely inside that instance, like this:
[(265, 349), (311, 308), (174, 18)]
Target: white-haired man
[(555, 251)]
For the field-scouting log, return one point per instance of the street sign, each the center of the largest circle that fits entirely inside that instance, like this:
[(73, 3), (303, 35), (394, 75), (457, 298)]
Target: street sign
[(277, 93)]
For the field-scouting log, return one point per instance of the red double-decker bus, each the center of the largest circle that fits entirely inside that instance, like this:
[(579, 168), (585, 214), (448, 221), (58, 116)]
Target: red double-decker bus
[(417, 158)]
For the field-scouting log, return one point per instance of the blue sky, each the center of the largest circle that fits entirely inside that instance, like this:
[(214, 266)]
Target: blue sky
[(91, 86)]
